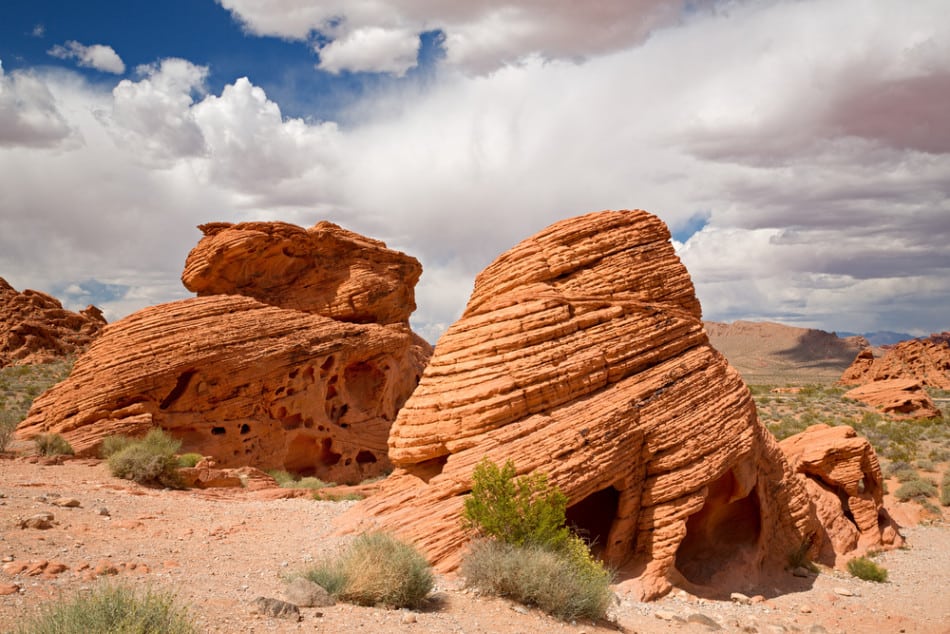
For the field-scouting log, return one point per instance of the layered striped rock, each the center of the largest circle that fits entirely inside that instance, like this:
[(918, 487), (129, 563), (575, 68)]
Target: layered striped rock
[(245, 382), (900, 398), (325, 270), (844, 480), (581, 354), (925, 360), (296, 356), (35, 328)]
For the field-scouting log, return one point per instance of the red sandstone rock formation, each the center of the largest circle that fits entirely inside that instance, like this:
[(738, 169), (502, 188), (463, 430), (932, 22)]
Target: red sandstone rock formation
[(582, 354), (899, 398), (35, 328), (253, 383), (324, 269), (926, 361), (845, 483)]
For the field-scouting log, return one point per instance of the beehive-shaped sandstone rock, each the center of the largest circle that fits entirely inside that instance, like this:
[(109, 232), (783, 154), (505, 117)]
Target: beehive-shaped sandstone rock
[(35, 328), (582, 354), (254, 383)]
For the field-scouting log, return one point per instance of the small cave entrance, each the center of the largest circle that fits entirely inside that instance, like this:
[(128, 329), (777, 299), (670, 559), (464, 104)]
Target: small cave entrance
[(364, 382), (719, 534), (592, 517)]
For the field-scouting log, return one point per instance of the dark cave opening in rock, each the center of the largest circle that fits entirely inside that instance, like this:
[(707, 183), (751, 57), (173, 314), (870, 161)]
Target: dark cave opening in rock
[(720, 533), (364, 381), (592, 517)]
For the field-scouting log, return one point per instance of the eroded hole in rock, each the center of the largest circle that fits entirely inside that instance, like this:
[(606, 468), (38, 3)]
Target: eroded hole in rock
[(365, 457), (245, 428), (180, 386), (327, 365), (592, 517), (718, 535), (217, 431), (428, 469), (364, 382), (301, 453), (327, 455), (292, 422), (293, 374)]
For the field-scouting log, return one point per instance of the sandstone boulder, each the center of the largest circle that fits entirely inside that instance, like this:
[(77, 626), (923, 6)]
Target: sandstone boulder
[(844, 480), (324, 269), (246, 382), (900, 398), (925, 360), (582, 354), (35, 328)]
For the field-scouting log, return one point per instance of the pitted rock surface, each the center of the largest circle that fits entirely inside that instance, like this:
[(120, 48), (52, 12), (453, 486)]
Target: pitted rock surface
[(582, 354), (35, 328)]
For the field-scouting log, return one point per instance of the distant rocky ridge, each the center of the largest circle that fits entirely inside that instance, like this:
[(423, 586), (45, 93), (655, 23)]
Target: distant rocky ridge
[(581, 354), (925, 360), (35, 328), (253, 372), (770, 353)]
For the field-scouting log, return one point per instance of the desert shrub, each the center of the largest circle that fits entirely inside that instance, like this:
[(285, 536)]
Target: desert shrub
[(114, 444), (538, 576), (903, 471), (111, 608), (799, 558), (527, 552), (864, 568), (189, 459), (53, 445), (925, 465), (337, 497), (8, 423), (376, 569), (282, 477), (945, 489), (915, 490), (521, 511), (939, 454), (150, 460)]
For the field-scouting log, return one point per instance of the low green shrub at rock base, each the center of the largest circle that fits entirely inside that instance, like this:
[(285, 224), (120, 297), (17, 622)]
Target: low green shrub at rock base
[(527, 553), (53, 445), (945, 489), (8, 425), (189, 459), (114, 609), (915, 489), (114, 444), (868, 570), (566, 587), (376, 569), (150, 460)]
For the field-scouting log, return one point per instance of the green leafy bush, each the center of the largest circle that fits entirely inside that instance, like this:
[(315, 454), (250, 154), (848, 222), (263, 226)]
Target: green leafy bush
[(538, 576), (150, 460), (115, 609), (8, 423), (376, 569), (189, 459), (945, 489), (527, 553), (915, 489), (53, 445), (864, 568), (521, 511), (114, 444)]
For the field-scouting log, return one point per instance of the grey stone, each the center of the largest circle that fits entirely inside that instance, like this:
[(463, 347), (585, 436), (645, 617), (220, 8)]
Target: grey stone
[(844, 592), (801, 571), (307, 594), (702, 619), (65, 502), (276, 608)]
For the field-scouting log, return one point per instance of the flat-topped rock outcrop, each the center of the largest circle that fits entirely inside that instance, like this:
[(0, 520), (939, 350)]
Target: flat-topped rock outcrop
[(248, 382), (35, 328), (325, 270), (900, 398), (925, 360), (582, 354)]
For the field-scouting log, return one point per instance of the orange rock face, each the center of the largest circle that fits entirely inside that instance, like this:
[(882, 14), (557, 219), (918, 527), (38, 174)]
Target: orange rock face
[(325, 270), (582, 354), (248, 382), (844, 480), (926, 361), (35, 328), (901, 398)]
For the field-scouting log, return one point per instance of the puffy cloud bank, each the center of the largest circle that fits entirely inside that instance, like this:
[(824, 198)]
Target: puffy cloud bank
[(797, 150)]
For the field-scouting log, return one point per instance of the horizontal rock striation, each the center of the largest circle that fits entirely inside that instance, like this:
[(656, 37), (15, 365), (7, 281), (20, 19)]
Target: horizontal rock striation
[(900, 398), (925, 360), (325, 270), (582, 354), (279, 364), (35, 328)]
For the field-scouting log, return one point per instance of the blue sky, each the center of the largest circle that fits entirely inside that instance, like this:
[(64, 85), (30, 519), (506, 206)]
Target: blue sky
[(804, 181)]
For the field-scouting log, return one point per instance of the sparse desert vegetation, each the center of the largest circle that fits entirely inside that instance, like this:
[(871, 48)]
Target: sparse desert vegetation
[(151, 460)]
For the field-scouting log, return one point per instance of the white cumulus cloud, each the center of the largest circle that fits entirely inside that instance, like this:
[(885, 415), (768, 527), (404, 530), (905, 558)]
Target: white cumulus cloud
[(29, 114), (371, 49), (98, 56)]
